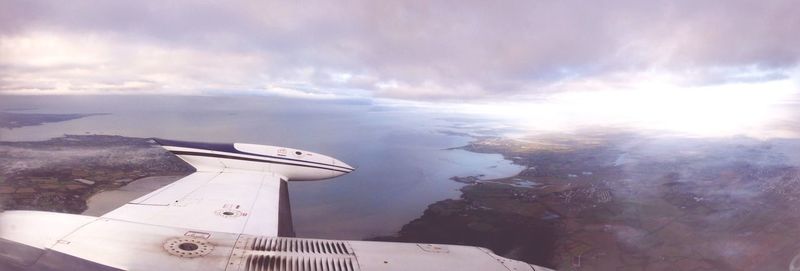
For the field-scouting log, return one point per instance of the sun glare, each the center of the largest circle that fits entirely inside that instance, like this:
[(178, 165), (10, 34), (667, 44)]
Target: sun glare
[(714, 111)]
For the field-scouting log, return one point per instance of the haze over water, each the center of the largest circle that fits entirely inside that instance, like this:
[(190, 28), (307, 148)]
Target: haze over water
[(400, 154)]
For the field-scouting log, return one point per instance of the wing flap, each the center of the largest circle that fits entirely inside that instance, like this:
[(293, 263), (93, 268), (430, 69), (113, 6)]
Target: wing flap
[(176, 190), (232, 202)]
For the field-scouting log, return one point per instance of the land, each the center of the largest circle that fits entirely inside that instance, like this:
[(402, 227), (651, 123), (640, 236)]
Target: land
[(16, 120), (627, 202), (62, 173)]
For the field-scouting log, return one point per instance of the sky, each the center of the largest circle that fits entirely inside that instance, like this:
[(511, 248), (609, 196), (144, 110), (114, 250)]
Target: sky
[(511, 54)]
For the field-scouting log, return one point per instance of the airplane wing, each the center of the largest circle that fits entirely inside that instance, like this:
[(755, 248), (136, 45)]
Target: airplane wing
[(233, 214), (238, 188)]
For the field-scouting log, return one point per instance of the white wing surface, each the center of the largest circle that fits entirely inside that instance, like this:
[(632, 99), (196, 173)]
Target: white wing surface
[(232, 202)]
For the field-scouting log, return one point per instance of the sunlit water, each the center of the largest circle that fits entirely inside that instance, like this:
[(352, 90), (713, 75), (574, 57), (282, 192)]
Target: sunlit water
[(400, 154)]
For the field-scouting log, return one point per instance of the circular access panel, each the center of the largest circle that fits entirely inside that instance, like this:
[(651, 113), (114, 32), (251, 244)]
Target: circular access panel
[(188, 247), (229, 213)]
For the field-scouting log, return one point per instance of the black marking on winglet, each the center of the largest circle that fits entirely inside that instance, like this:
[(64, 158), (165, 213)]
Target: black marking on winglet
[(222, 147)]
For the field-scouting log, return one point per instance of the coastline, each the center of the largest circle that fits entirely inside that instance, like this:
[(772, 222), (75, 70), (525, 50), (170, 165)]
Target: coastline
[(12, 120), (501, 214), (105, 201)]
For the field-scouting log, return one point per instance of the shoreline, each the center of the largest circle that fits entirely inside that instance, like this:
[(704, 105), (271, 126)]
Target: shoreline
[(482, 216), (12, 120), (105, 201)]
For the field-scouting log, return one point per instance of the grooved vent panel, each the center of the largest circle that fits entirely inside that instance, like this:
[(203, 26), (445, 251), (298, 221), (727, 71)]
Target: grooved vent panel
[(297, 263), (299, 246), (269, 253)]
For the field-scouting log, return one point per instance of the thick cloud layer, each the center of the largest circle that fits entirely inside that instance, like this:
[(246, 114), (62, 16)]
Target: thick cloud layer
[(411, 50)]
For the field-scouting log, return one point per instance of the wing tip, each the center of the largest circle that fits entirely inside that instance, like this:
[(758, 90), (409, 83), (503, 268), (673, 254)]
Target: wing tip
[(163, 142), (156, 140)]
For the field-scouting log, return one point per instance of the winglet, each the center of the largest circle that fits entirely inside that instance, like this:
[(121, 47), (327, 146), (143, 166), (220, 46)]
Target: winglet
[(293, 164)]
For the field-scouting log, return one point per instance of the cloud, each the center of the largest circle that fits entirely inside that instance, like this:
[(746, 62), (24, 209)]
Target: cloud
[(451, 50)]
